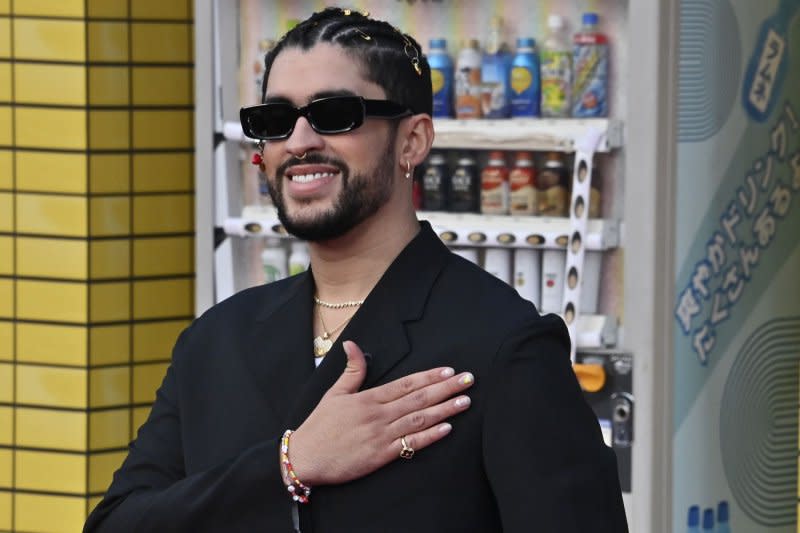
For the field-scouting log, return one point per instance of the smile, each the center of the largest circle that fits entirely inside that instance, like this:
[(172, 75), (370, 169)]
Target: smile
[(308, 178)]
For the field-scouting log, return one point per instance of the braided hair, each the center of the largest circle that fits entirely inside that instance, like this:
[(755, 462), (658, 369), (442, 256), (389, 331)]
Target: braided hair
[(389, 58)]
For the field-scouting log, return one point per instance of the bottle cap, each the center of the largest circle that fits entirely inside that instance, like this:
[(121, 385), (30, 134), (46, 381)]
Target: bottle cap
[(554, 160), (497, 156), (722, 512), (524, 155), (526, 42), (590, 19), (438, 44), (708, 519), (555, 22), (693, 520), (435, 159)]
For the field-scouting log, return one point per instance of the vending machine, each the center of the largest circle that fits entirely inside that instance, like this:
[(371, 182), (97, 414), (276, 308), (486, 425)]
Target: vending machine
[(673, 218)]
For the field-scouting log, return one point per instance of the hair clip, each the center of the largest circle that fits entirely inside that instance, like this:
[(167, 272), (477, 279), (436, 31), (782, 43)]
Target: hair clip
[(363, 35), (413, 57)]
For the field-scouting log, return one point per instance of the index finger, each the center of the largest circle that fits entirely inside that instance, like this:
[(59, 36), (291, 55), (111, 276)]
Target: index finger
[(398, 388)]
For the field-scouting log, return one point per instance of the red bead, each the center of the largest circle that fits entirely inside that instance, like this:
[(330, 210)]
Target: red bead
[(257, 159)]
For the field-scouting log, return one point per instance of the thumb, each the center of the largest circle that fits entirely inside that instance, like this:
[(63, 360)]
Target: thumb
[(353, 375)]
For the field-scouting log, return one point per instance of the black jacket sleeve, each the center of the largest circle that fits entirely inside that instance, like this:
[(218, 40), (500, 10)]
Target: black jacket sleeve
[(544, 453), (152, 493)]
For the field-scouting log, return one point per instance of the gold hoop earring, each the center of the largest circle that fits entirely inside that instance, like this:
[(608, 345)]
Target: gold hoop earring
[(408, 169)]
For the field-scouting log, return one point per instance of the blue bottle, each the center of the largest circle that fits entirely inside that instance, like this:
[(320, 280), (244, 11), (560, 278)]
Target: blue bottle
[(525, 81), (441, 78), (496, 74), (722, 518), (693, 520)]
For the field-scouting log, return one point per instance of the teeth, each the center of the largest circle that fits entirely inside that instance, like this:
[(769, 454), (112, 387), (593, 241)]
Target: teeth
[(308, 178)]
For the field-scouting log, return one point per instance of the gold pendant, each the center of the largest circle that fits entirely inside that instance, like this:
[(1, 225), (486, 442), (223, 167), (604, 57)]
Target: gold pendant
[(322, 345)]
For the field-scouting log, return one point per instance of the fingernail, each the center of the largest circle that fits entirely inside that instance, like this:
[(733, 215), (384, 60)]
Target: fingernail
[(466, 379), (463, 401), (447, 372), (445, 428)]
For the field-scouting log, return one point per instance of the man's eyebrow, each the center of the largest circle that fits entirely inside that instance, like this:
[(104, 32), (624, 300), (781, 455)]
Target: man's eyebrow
[(316, 96)]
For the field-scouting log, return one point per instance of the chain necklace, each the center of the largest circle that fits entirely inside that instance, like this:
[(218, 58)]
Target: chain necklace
[(341, 305), (323, 343)]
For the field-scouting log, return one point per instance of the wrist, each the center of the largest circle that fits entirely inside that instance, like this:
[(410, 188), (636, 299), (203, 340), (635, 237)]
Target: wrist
[(297, 489)]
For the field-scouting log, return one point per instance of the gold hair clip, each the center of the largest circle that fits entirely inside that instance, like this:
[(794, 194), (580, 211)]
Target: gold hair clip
[(346, 12), (413, 57)]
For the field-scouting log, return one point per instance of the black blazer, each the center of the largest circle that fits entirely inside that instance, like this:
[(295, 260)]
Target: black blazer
[(528, 454)]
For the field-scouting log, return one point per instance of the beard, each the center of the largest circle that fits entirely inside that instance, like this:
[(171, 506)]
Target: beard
[(359, 198)]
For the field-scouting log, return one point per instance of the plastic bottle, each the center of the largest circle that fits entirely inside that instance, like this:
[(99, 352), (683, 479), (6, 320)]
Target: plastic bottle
[(468, 80), (524, 80), (693, 520), (441, 78), (553, 187), (298, 258), (524, 196), (494, 185), (495, 72), (590, 61), (723, 526), (273, 260), (556, 71)]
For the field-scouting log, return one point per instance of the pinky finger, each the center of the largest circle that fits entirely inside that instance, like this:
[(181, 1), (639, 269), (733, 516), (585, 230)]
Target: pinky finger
[(408, 445)]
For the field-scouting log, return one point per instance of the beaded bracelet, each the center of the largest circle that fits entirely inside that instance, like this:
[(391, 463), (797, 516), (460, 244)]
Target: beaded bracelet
[(299, 491)]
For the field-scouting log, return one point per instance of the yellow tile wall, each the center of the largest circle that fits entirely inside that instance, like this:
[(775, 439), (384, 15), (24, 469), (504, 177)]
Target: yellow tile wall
[(96, 240)]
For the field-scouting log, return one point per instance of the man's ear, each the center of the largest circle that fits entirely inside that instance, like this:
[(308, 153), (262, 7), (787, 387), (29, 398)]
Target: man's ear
[(416, 139)]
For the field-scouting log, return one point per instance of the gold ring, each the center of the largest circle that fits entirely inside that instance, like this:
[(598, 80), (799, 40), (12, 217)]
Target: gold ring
[(302, 157), (407, 452)]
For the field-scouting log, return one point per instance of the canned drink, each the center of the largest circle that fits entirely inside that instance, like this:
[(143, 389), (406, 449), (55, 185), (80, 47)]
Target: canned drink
[(522, 182), (464, 186), (494, 185), (435, 183)]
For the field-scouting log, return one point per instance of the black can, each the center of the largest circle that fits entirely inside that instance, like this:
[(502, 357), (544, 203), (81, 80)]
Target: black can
[(465, 186), (435, 183)]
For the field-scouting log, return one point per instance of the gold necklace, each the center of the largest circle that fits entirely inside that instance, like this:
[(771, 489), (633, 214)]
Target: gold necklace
[(341, 305), (323, 343)]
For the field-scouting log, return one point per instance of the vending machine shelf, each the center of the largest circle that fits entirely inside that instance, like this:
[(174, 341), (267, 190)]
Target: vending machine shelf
[(537, 134), (461, 229)]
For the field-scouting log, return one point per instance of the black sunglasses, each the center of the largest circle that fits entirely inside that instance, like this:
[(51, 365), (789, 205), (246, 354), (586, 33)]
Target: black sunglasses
[(328, 116)]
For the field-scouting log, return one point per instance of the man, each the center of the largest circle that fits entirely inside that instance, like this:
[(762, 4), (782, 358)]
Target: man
[(383, 442)]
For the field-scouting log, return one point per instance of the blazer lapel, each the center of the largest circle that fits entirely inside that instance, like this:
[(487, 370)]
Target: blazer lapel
[(378, 327), (280, 354)]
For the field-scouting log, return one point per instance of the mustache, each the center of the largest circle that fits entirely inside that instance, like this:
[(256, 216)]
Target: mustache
[(312, 158)]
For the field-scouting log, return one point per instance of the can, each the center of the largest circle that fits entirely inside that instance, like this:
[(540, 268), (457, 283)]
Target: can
[(435, 183), (494, 185), (464, 194), (553, 182), (524, 196)]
